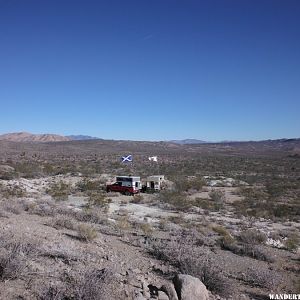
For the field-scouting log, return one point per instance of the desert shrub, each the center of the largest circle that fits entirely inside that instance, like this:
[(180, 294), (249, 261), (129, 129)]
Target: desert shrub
[(189, 183), (220, 230), (82, 285), (87, 185), (53, 292), (252, 236), (137, 198), (257, 193), (59, 190), (91, 215), (177, 219), (227, 242), (147, 229), (268, 209), (217, 196), (14, 255), (28, 169), (292, 242), (13, 206), (185, 251), (262, 277), (266, 202), (177, 200), (91, 284), (12, 264), (43, 209), (8, 191), (254, 252), (99, 199), (203, 203), (123, 223), (63, 222), (86, 232)]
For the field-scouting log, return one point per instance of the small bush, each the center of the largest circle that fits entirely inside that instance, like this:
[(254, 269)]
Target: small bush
[(63, 222), (12, 191), (147, 229), (12, 264), (263, 277), (221, 230), (12, 206), (123, 223), (53, 292), (189, 183), (185, 252), (14, 255), (218, 196), (86, 232), (42, 209), (92, 215), (137, 198), (177, 200), (292, 242), (59, 191), (252, 236), (91, 284), (99, 199), (87, 186)]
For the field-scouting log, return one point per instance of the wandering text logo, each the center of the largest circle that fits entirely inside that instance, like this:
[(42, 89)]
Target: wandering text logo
[(284, 296)]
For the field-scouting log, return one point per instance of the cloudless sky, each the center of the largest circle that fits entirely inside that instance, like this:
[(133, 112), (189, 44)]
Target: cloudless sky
[(151, 69)]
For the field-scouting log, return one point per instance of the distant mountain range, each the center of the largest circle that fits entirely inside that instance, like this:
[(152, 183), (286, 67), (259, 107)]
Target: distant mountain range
[(82, 137), (30, 137), (188, 141)]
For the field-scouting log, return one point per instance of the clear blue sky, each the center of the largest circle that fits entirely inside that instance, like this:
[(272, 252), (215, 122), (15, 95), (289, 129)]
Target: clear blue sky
[(151, 69)]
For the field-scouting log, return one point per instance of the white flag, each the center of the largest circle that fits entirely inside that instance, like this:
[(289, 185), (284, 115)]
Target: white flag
[(152, 158)]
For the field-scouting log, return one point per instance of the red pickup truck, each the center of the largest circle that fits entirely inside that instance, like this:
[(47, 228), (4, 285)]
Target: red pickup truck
[(127, 185)]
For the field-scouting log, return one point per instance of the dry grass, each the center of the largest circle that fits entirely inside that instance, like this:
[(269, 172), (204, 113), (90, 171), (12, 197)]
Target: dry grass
[(86, 232)]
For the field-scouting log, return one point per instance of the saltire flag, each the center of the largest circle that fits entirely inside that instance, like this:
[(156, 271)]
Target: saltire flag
[(127, 158), (152, 158)]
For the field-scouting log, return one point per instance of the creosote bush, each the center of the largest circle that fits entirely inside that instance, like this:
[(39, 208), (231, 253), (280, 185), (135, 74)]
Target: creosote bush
[(147, 229), (178, 201), (59, 190), (189, 183), (14, 256), (99, 200), (86, 186), (217, 195), (185, 251), (86, 232), (252, 236), (292, 242)]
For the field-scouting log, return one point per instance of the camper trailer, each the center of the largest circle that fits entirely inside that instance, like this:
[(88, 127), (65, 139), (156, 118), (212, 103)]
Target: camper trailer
[(153, 183)]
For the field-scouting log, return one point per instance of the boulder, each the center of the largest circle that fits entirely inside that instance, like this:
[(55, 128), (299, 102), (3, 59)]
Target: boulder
[(190, 288), (162, 296), (170, 291)]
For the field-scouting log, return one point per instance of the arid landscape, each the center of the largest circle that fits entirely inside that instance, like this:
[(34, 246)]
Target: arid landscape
[(228, 216)]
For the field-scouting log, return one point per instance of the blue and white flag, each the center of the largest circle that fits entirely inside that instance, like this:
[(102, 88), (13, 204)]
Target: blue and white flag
[(127, 158)]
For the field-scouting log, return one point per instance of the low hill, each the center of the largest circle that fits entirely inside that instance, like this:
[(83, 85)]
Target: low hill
[(29, 137)]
